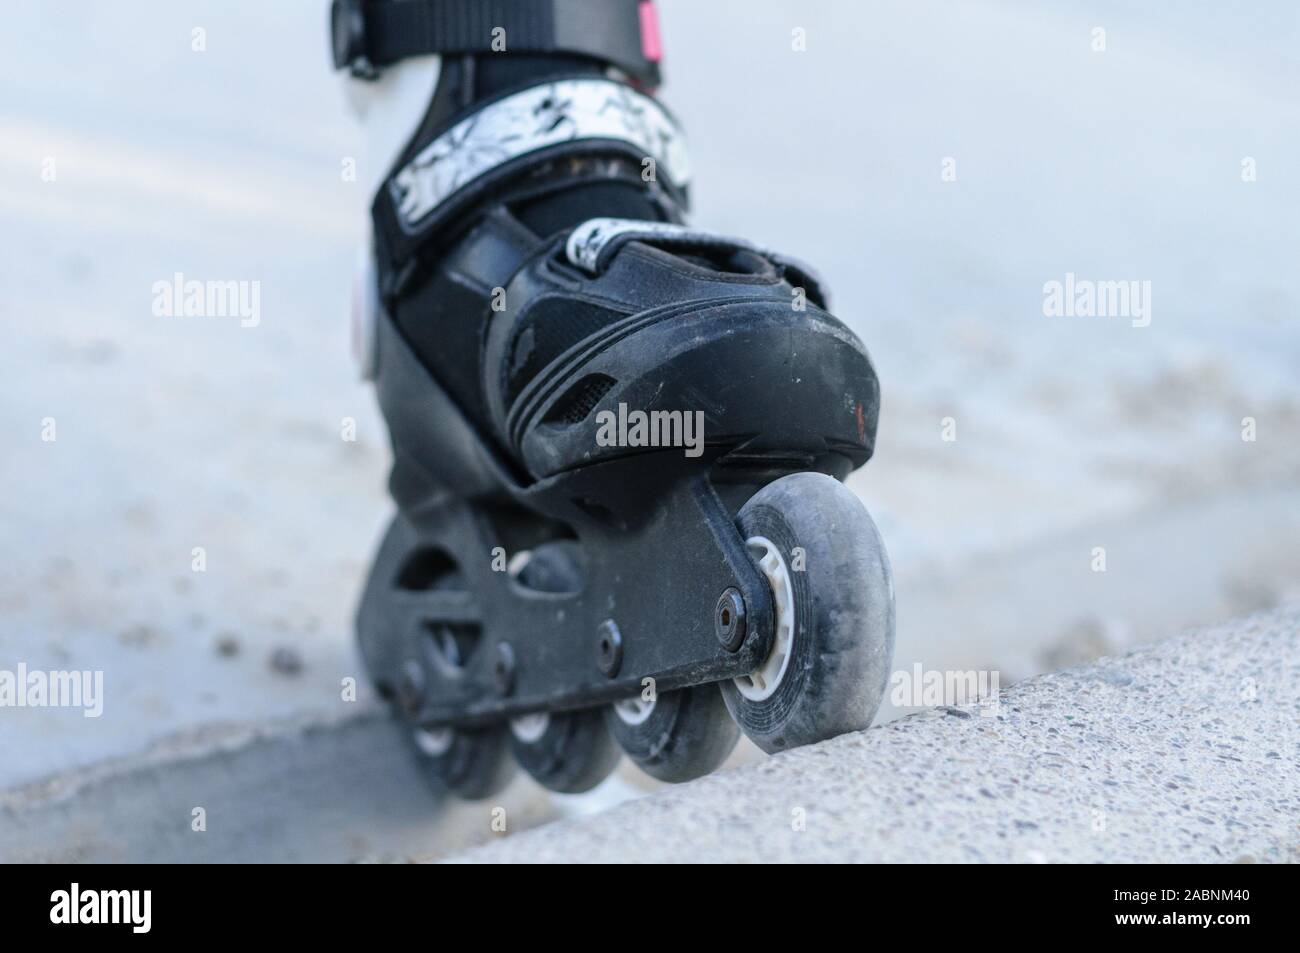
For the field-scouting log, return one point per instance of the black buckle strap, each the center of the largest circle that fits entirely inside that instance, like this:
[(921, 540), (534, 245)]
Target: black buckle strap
[(369, 34)]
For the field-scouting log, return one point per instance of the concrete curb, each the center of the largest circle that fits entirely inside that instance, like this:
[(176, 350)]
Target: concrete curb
[(1186, 751)]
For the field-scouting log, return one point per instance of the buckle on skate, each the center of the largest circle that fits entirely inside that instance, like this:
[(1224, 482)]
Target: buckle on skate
[(368, 34), (592, 244), (348, 39)]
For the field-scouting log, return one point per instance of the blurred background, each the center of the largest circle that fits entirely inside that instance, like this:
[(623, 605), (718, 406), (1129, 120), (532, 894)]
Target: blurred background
[(938, 162)]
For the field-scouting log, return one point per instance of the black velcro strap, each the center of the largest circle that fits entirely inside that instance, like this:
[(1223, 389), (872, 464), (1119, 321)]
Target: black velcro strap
[(381, 32)]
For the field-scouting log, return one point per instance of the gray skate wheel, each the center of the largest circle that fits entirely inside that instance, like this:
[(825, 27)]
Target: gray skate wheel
[(472, 764), (834, 598), (567, 752), (679, 736)]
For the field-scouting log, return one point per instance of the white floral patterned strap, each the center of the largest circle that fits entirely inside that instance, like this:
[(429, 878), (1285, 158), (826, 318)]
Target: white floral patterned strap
[(526, 122)]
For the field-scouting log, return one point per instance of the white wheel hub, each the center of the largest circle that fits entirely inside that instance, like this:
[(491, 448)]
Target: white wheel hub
[(762, 683), (633, 711), (434, 741), (530, 728)]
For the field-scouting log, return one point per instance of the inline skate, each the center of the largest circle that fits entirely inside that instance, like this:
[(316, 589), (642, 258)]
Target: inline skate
[(618, 440)]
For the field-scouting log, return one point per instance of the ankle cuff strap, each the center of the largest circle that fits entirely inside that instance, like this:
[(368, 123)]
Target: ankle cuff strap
[(479, 155), (368, 34)]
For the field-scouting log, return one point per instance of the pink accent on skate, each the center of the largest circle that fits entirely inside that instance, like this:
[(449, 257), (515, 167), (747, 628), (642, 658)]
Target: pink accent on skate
[(651, 46)]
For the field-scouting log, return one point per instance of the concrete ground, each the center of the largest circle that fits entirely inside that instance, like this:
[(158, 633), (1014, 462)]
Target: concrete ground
[(1184, 752), (132, 442)]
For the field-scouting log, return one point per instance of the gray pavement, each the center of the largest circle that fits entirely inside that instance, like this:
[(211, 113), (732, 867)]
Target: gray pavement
[(297, 790)]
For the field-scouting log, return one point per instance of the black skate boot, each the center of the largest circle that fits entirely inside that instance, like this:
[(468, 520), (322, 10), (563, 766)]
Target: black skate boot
[(618, 440)]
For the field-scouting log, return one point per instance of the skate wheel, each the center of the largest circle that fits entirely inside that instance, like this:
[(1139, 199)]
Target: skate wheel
[(473, 764), (568, 752), (833, 593), (679, 736)]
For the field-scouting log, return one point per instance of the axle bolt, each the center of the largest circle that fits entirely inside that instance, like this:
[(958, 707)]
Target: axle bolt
[(729, 619), (609, 648)]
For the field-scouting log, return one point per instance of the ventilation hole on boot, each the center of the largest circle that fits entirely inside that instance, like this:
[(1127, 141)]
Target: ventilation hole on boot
[(429, 568), (579, 400), (547, 329), (453, 644)]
